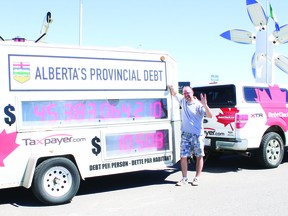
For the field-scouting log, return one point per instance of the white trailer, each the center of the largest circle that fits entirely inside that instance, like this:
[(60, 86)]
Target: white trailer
[(70, 113)]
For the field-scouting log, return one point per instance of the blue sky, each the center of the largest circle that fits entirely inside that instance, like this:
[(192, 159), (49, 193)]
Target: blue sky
[(188, 30)]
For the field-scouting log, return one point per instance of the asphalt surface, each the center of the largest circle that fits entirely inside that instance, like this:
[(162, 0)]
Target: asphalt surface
[(231, 185)]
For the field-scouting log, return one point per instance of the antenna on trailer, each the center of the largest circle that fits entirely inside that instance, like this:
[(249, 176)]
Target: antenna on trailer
[(45, 26)]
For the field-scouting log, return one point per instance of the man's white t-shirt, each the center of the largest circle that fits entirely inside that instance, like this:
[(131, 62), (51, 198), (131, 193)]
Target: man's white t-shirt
[(192, 115)]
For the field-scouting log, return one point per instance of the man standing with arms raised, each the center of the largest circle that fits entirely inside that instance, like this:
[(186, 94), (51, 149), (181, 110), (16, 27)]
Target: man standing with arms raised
[(192, 131)]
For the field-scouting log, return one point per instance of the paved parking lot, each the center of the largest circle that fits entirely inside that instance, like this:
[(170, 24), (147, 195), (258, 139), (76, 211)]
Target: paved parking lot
[(229, 186)]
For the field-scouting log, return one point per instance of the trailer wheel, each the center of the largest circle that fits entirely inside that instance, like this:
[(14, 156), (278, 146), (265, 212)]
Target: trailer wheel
[(56, 181), (271, 150)]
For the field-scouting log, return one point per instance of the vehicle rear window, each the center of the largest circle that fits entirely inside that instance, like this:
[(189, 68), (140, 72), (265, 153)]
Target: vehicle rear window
[(218, 96)]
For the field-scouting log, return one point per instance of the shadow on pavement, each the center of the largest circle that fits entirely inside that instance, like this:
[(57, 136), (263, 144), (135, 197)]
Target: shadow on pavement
[(233, 162), (226, 163), (24, 197), (125, 181)]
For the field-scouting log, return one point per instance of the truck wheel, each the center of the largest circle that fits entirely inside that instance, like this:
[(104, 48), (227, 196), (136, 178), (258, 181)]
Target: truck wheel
[(271, 150), (56, 181)]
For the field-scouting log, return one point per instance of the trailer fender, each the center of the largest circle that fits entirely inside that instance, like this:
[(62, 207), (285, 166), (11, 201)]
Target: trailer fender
[(29, 172)]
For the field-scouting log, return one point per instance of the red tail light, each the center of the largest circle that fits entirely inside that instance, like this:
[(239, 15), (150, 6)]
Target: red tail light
[(241, 120)]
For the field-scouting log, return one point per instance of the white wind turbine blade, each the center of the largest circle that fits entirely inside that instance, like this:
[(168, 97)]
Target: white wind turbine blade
[(256, 14), (282, 63), (258, 66), (281, 37), (239, 36), (253, 65)]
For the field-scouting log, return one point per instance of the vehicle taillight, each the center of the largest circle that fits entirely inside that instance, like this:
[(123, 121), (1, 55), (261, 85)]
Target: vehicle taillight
[(241, 120)]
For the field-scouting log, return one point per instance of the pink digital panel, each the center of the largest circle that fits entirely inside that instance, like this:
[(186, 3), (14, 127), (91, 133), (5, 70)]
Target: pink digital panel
[(133, 143), (81, 111)]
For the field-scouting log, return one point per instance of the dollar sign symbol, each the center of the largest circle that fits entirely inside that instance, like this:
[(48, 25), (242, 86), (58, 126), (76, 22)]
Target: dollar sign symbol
[(11, 117), (97, 148)]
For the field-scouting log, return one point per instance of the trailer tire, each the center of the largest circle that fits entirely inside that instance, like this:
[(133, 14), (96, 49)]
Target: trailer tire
[(271, 150), (56, 181)]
